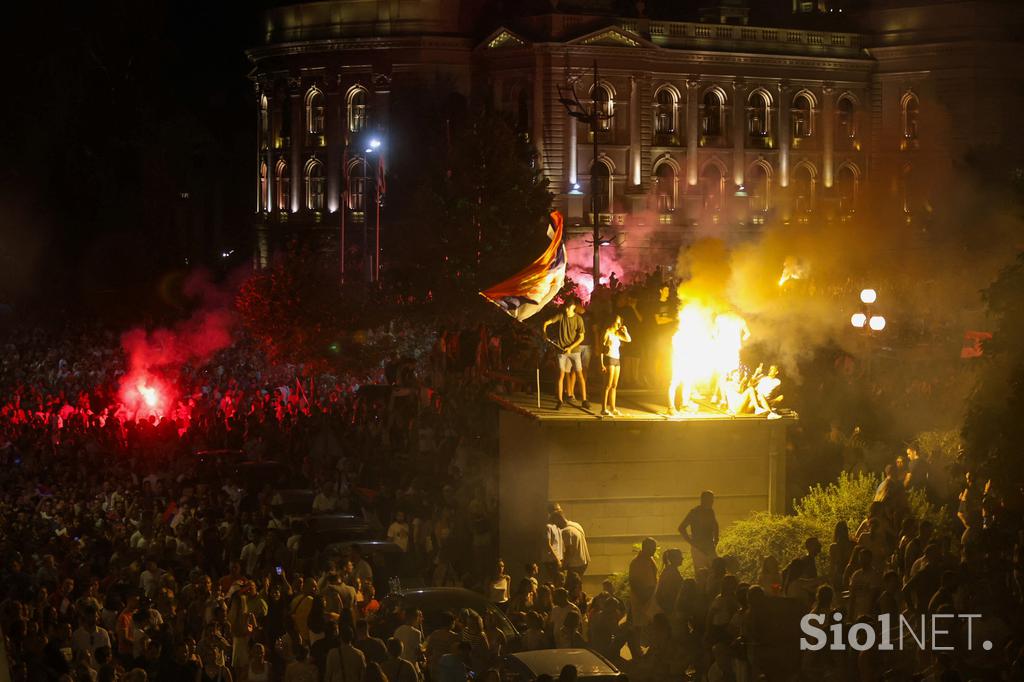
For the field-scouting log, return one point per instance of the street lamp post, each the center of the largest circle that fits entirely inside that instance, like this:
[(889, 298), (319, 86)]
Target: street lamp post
[(593, 117), (866, 321), (372, 264)]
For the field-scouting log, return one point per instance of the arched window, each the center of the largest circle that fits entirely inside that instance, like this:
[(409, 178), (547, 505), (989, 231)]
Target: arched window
[(759, 109), (602, 186), (911, 112), (758, 185), (846, 188), (665, 187), (356, 105), (605, 106), (282, 185), (713, 118), (803, 116), (846, 119), (315, 185), (665, 106), (314, 111), (803, 188), (712, 182), (264, 200), (357, 185)]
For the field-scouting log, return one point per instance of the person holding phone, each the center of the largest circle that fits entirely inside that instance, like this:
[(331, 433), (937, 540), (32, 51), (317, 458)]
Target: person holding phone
[(614, 336)]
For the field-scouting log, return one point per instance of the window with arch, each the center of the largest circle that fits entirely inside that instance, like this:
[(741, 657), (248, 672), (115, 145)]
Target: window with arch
[(314, 111), (315, 185), (713, 115), (357, 185), (759, 110), (665, 187), (602, 96), (357, 108), (665, 107), (846, 119), (264, 199), (803, 188), (601, 178), (803, 116), (282, 185), (846, 188), (758, 184), (911, 113), (712, 182)]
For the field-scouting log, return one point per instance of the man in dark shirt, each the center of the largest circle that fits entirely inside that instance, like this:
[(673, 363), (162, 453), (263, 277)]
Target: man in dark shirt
[(569, 334), (700, 530)]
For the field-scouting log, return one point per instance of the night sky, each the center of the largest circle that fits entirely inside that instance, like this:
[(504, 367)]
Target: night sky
[(127, 145)]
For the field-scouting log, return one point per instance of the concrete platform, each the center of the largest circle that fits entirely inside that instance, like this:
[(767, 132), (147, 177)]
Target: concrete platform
[(628, 477)]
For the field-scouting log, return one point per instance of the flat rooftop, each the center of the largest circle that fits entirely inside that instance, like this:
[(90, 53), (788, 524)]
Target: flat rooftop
[(636, 405)]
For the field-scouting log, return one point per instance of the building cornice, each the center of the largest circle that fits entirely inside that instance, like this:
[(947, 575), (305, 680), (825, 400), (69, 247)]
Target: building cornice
[(359, 43)]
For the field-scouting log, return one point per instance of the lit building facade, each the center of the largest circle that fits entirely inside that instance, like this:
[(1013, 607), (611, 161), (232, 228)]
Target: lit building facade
[(714, 126)]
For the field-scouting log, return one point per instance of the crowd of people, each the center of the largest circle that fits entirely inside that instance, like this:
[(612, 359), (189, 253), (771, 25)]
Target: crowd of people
[(121, 558)]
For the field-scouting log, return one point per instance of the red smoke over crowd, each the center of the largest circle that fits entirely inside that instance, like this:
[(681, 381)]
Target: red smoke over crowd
[(155, 357)]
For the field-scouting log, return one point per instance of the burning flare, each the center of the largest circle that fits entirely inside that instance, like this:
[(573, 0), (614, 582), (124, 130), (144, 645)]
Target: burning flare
[(705, 348), (149, 395)]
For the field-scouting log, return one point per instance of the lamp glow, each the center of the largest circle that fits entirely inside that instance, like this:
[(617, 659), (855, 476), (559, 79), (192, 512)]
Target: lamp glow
[(877, 323), (858, 320), (868, 295)]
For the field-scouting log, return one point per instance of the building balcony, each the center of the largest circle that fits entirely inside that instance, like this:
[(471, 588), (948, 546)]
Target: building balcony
[(669, 139), (759, 141), (709, 140)]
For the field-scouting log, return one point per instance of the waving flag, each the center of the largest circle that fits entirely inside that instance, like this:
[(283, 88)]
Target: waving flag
[(532, 288)]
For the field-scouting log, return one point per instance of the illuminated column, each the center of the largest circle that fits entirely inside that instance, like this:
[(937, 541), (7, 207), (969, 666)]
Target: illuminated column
[(298, 139), (692, 126), (827, 130), (784, 134), (537, 119), (573, 173), (334, 136), (739, 99), (634, 131)]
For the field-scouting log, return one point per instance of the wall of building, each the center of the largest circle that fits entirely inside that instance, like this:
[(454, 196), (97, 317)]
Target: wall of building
[(963, 86), (623, 481)]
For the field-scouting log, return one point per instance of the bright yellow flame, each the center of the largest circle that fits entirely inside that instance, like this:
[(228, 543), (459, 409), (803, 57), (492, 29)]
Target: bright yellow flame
[(877, 323), (149, 395), (858, 320), (705, 347), (868, 295), (792, 268)]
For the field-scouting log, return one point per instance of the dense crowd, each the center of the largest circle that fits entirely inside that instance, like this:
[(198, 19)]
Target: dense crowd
[(120, 555), (124, 559)]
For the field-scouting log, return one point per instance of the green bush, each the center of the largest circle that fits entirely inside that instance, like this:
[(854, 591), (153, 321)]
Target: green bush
[(845, 500), (762, 534)]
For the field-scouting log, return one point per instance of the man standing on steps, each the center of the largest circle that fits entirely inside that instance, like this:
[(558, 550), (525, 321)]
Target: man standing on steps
[(700, 530), (569, 334)]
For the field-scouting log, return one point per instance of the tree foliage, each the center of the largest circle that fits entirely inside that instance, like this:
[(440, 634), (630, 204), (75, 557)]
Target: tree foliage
[(477, 211), (763, 534), (993, 431)]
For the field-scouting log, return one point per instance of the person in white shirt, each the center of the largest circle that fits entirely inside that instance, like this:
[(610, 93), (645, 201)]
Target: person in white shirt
[(325, 500), (89, 636), (574, 542), (251, 553), (398, 531), (410, 634)]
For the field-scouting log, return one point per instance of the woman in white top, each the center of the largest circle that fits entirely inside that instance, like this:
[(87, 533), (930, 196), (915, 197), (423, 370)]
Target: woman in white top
[(614, 337), (498, 586)]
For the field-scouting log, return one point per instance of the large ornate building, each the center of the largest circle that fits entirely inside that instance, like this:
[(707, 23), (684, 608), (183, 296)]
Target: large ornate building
[(716, 118)]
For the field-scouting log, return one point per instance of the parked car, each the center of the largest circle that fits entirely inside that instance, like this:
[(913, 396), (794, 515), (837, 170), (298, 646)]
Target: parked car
[(433, 602), (526, 666), (387, 559)]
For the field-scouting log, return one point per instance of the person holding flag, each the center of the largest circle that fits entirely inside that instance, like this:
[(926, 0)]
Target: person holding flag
[(569, 334)]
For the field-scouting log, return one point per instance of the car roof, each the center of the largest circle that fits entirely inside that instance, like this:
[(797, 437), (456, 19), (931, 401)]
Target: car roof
[(551, 662), (443, 598)]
